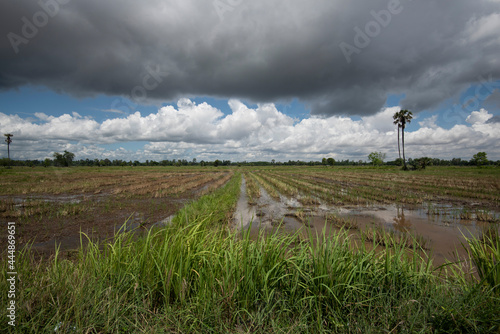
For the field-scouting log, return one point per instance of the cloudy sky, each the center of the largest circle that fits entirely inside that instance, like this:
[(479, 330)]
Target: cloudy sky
[(249, 80)]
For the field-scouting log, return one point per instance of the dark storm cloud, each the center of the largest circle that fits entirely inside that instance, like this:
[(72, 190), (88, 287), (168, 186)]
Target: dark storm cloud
[(493, 120), (339, 57), (493, 101)]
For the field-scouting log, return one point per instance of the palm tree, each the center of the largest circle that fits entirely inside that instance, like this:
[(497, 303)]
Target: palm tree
[(396, 122), (8, 141), (403, 117)]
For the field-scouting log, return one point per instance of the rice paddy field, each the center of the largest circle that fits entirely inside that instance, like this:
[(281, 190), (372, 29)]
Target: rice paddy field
[(252, 250), (54, 205)]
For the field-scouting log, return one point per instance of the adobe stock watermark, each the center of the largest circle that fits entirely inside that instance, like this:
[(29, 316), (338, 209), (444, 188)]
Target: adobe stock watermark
[(459, 112), (224, 6), (150, 81), (11, 273), (30, 27), (372, 29)]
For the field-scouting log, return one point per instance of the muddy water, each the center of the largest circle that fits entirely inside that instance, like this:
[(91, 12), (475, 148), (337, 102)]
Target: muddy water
[(266, 215), (443, 234), (444, 240), (244, 214)]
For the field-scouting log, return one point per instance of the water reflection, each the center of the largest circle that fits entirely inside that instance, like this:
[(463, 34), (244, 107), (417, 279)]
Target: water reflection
[(401, 223), (438, 224)]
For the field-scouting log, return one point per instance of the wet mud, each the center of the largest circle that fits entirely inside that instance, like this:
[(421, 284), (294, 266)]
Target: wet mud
[(45, 222), (439, 228)]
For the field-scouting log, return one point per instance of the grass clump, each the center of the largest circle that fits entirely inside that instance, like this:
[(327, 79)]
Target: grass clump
[(253, 189), (380, 237), (485, 252), (341, 222)]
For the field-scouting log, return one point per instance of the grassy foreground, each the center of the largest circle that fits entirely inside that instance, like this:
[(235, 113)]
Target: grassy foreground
[(196, 275)]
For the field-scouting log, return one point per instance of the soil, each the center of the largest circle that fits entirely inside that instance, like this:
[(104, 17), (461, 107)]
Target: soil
[(442, 235), (68, 220)]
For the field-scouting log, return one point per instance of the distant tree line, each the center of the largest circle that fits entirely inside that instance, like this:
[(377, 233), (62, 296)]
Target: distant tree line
[(480, 159), (66, 159)]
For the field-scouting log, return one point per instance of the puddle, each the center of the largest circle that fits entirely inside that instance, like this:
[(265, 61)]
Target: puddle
[(438, 226), (21, 201), (64, 243), (130, 226), (137, 223), (266, 215), (244, 214), (271, 210), (164, 222), (443, 241)]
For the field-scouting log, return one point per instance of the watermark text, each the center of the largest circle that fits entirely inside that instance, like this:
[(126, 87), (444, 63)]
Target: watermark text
[(11, 273), (153, 77), (30, 26), (372, 29)]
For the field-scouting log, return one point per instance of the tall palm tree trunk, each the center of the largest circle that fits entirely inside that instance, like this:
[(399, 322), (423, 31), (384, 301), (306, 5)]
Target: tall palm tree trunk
[(403, 140), (399, 148), (8, 141), (401, 118)]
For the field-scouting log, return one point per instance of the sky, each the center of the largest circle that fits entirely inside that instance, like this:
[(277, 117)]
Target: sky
[(245, 80)]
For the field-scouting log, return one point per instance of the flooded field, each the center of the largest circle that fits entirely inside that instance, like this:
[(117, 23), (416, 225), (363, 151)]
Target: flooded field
[(52, 206), (436, 209), (436, 217)]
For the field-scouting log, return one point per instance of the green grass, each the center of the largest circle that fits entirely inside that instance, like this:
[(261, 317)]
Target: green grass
[(198, 276), (485, 252)]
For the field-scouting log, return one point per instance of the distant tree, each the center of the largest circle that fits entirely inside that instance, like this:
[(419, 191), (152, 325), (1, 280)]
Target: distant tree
[(63, 160), (479, 159), (330, 161), (398, 162), (425, 161), (217, 163), (402, 118), (47, 162), (376, 158), (8, 140), (436, 162), (58, 159), (420, 163), (68, 157)]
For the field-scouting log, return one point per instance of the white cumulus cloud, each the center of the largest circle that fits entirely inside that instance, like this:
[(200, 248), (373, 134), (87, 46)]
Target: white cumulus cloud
[(202, 131), (478, 117)]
